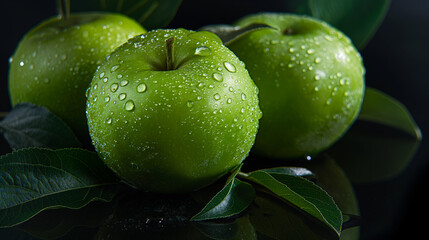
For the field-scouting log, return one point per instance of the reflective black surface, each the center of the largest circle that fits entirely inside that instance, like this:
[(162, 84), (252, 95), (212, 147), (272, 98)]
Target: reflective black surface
[(396, 63)]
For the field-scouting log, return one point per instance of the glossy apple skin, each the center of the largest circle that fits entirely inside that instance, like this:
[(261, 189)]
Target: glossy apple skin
[(311, 83), (55, 61), (177, 130)]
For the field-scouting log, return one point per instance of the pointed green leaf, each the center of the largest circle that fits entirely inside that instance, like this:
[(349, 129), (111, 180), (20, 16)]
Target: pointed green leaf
[(152, 14), (302, 194), (32, 180), (294, 171), (358, 19), (28, 125), (234, 198), (229, 33), (371, 152), (380, 108)]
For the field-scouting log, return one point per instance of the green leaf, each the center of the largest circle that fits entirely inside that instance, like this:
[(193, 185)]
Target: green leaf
[(380, 108), (229, 33), (273, 219), (371, 152), (234, 198), (358, 19), (294, 171), (28, 125), (32, 180), (302, 194), (152, 14)]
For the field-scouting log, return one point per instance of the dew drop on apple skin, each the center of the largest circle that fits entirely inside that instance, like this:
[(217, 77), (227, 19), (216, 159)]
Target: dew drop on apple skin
[(109, 121), (129, 105), (123, 83), (216, 96), (229, 66), (114, 68), (202, 51), (114, 87), (190, 104), (141, 88), (243, 96), (218, 77), (122, 96)]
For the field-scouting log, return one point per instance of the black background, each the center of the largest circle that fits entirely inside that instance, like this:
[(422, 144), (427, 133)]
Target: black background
[(396, 60)]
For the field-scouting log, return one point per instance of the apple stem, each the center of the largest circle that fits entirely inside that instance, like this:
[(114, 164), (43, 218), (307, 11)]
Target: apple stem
[(170, 53), (288, 31), (64, 9)]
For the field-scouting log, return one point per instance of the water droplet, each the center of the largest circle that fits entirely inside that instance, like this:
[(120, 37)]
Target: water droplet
[(229, 66), (31, 67), (218, 77), (329, 38), (317, 77), (243, 96), (317, 60), (231, 89), (190, 104), (310, 51), (316, 89), (129, 105), (229, 100), (123, 83), (141, 88), (328, 101), (114, 87), (122, 96), (10, 59), (86, 93), (291, 50), (202, 51), (109, 121), (107, 99), (216, 96), (342, 81), (95, 87), (21, 63), (101, 75), (105, 79), (119, 76), (114, 68)]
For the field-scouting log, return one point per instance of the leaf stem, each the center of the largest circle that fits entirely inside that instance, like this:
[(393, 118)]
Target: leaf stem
[(243, 175), (170, 53)]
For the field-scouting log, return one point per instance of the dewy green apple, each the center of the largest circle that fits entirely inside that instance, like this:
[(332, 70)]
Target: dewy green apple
[(311, 82), (172, 110), (54, 62)]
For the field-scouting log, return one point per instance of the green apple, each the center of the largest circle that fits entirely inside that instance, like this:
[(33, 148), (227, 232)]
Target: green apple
[(310, 78), (54, 62), (172, 110)]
